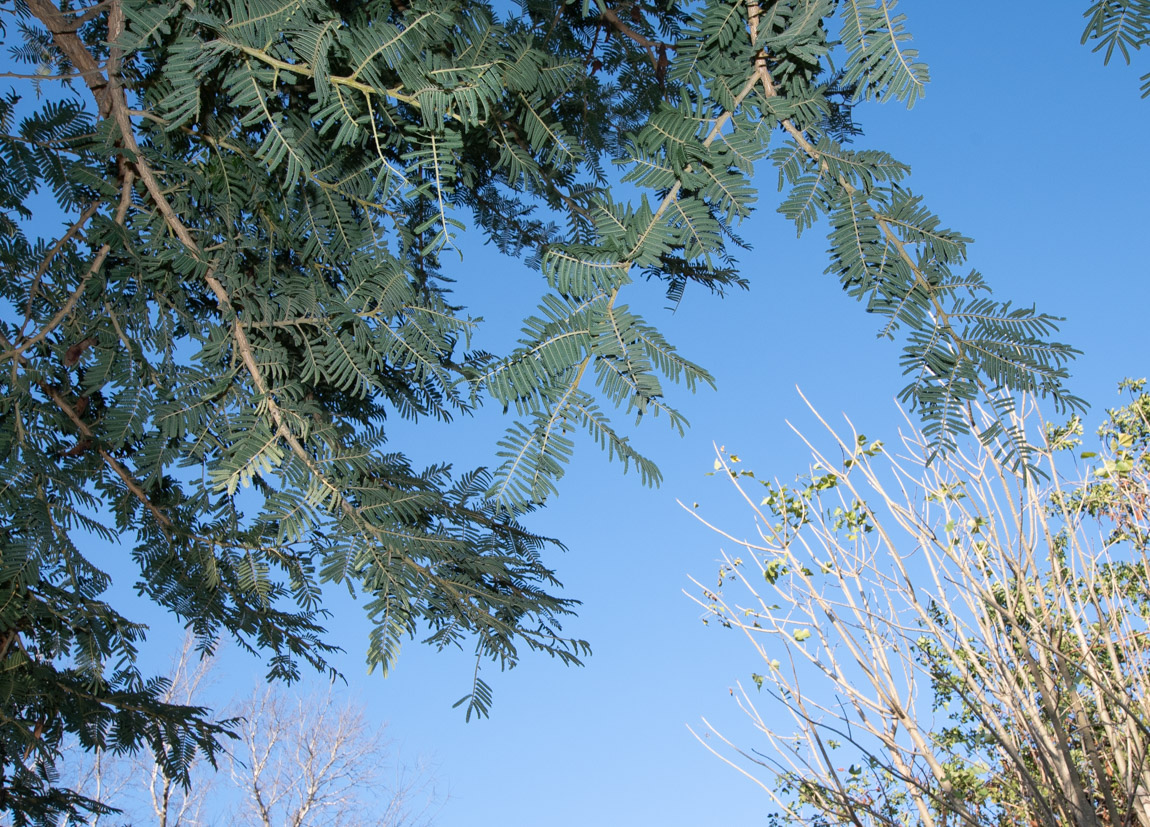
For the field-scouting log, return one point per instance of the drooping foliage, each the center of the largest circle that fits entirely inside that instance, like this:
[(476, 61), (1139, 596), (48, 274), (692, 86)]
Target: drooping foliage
[(261, 199), (1119, 25)]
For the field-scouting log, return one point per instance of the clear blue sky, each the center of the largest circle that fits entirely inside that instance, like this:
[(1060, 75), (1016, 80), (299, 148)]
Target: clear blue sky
[(1023, 142)]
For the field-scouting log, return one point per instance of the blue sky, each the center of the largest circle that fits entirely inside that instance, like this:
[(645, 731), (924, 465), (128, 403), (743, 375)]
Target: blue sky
[(1023, 142)]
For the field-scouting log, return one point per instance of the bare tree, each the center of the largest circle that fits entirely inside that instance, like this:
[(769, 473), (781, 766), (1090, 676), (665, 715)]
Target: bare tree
[(98, 778), (295, 762), (314, 761), (173, 804), (945, 643), (136, 783)]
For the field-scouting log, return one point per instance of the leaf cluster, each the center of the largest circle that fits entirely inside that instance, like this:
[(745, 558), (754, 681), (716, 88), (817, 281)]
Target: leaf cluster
[(1119, 25)]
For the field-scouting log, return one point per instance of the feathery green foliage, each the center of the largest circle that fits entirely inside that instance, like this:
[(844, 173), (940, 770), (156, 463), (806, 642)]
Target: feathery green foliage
[(260, 196), (1119, 24)]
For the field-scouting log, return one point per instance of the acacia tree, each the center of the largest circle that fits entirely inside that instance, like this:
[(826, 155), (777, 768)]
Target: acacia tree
[(953, 643), (251, 278)]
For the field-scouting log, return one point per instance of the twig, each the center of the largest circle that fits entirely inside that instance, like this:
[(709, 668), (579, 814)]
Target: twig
[(66, 309)]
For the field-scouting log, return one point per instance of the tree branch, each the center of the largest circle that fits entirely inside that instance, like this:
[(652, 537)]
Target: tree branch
[(111, 461), (15, 351), (64, 35)]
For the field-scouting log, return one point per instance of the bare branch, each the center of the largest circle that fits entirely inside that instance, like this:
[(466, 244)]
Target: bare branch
[(953, 632)]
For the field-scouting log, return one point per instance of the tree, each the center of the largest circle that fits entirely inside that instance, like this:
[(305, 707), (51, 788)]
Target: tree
[(303, 760), (954, 643), (314, 761), (261, 198), (136, 785)]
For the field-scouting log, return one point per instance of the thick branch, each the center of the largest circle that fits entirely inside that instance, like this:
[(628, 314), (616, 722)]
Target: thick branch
[(64, 35)]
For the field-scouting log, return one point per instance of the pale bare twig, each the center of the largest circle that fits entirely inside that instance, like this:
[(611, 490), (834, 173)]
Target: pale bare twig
[(897, 580)]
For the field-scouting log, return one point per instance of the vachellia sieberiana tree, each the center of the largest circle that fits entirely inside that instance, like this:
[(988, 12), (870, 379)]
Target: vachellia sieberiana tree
[(227, 226)]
